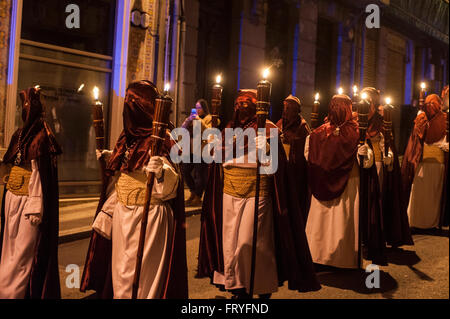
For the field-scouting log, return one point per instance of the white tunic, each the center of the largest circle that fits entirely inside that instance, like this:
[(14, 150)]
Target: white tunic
[(126, 226), (237, 241), (332, 226), (19, 238), (424, 206)]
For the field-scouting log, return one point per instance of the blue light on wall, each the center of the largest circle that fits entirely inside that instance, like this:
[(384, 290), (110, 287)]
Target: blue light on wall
[(409, 72), (295, 59), (339, 56), (363, 48), (241, 26), (120, 47), (12, 42)]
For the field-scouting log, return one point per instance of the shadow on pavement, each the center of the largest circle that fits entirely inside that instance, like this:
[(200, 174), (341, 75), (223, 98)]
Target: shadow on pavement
[(431, 232), (355, 280), (399, 256)]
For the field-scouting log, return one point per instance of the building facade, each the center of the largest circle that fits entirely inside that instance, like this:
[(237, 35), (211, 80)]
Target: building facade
[(311, 46)]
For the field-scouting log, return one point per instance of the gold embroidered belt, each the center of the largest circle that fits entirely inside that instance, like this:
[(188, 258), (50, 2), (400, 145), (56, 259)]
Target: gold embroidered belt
[(241, 182), (432, 154), (19, 180), (131, 187)]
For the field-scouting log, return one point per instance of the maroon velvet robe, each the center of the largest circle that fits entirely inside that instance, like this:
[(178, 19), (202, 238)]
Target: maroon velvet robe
[(38, 143), (297, 165), (429, 127), (332, 156), (294, 262), (394, 208), (137, 121)]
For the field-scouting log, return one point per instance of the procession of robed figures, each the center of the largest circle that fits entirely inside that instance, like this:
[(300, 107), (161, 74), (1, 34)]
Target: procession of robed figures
[(339, 195)]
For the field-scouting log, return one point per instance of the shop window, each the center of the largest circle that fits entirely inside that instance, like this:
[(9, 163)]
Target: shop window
[(67, 63)]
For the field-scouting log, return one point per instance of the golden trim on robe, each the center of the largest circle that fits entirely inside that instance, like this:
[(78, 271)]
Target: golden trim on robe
[(377, 148), (287, 149)]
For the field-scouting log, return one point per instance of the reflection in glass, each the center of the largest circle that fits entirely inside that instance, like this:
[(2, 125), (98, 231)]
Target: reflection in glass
[(68, 111)]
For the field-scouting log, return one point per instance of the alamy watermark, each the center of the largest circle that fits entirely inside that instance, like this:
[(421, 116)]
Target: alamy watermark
[(73, 279), (373, 279), (73, 19), (220, 149), (373, 18)]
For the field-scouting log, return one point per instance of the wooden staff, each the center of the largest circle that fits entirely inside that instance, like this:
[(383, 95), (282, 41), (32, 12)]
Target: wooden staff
[(355, 99), (99, 127), (363, 114), (262, 110), (160, 123), (216, 101), (387, 126), (315, 113)]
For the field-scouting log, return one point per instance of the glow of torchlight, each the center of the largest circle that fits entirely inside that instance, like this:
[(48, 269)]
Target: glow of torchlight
[(218, 79), (80, 88), (364, 96), (96, 93), (316, 97), (340, 90), (423, 85), (266, 73), (388, 101), (167, 87), (355, 89)]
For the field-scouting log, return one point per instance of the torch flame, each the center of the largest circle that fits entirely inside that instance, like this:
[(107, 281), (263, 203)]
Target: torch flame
[(167, 87), (355, 89), (316, 97), (340, 90), (96, 92), (423, 85), (364, 96), (388, 101), (81, 87), (266, 73), (37, 87), (218, 79)]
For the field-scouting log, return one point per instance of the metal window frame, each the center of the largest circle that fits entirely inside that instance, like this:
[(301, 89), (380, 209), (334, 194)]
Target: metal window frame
[(118, 70)]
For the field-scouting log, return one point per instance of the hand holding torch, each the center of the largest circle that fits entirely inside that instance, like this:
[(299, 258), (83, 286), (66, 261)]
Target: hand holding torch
[(160, 124)]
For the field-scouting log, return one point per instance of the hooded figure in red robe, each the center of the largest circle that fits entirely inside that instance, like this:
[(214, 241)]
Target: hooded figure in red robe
[(164, 265), (227, 222), (334, 223), (295, 129), (424, 166), (30, 212), (395, 217)]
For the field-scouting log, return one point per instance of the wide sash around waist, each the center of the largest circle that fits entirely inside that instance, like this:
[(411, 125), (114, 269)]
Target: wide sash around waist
[(432, 154), (19, 180), (131, 188), (241, 182)]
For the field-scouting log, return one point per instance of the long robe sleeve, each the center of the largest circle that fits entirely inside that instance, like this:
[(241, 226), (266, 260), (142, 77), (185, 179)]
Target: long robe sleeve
[(33, 205)]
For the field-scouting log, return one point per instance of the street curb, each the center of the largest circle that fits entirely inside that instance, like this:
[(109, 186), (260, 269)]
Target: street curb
[(67, 238), (74, 237)]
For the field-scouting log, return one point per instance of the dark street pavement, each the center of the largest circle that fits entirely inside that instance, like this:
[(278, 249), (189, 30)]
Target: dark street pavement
[(420, 271)]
